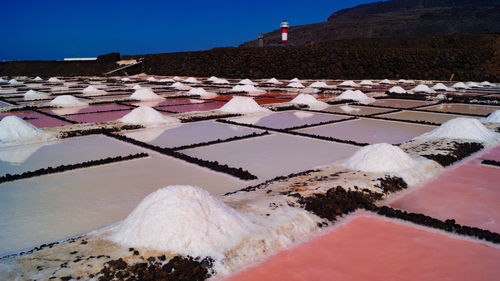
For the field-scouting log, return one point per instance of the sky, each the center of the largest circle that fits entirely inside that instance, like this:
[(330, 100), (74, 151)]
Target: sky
[(57, 29)]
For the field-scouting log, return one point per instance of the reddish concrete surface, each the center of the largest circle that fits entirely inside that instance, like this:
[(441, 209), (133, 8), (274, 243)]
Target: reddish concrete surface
[(194, 107), (39, 120), (375, 248), (97, 117), (468, 193)]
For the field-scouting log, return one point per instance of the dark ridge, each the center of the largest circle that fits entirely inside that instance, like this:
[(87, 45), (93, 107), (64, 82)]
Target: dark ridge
[(63, 168), (491, 163), (390, 184), (78, 133), (415, 96), (252, 135), (471, 100), (290, 107), (458, 152), (203, 118), (100, 111)]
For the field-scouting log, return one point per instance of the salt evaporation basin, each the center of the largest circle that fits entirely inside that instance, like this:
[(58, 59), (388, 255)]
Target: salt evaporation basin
[(274, 155), (289, 119), (261, 101), (187, 134), (468, 193), (36, 119), (363, 110), (370, 247), (160, 103), (421, 116), (400, 103), (91, 109), (53, 207), (194, 107), (97, 117), (491, 154), (52, 154), (370, 131), (462, 108)]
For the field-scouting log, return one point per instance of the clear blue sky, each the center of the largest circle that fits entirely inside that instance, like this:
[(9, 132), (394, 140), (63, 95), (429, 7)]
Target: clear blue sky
[(57, 29)]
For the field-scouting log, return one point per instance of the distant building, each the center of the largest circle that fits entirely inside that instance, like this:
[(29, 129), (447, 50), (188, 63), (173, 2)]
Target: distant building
[(80, 59)]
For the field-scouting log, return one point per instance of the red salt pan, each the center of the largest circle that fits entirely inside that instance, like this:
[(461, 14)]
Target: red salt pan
[(97, 117), (270, 100), (369, 247)]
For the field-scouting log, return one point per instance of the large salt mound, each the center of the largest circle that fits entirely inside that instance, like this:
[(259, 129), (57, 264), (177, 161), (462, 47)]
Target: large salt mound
[(145, 115), (273, 81), (397, 90), (247, 82), (246, 88), (297, 80), (385, 81), (356, 96), (462, 128), (212, 78), (494, 117), (14, 82), (201, 92), (379, 158), (473, 85), (486, 84), (54, 80), (93, 91), (34, 95), (349, 83), (460, 85), (67, 101), (184, 220), (295, 85), (308, 100), (242, 105), (145, 94), (319, 84), (191, 80), (366, 83), (14, 130), (421, 88), (440, 87)]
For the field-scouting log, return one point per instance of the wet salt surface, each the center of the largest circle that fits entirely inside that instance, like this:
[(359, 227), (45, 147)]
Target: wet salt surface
[(189, 133), (97, 117), (36, 119), (52, 207), (289, 119), (462, 108), (21, 158), (400, 103), (274, 155), (368, 247), (194, 107), (86, 109), (421, 116), (370, 131), (363, 110), (468, 193)]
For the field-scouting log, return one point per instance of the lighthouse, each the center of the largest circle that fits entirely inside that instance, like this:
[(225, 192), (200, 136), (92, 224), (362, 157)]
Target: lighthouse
[(284, 32)]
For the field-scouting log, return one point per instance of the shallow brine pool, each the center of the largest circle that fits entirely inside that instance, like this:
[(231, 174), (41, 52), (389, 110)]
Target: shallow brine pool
[(289, 119)]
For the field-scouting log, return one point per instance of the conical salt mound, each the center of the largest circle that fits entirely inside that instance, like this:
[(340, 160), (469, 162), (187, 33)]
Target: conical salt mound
[(145, 115), (34, 95), (356, 96), (184, 220), (14, 130), (308, 100), (67, 101), (246, 88), (379, 158), (93, 91), (145, 94), (494, 117), (242, 105), (462, 128), (201, 92)]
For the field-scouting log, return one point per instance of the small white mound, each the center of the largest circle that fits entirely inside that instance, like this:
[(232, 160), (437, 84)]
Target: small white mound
[(14, 82), (295, 85), (125, 79), (440, 87), (308, 100), (54, 80), (220, 81), (180, 86), (14, 130), (349, 83), (145, 94), (191, 80), (273, 81), (486, 84), (242, 105), (247, 89), (137, 87), (402, 81), (421, 88), (93, 91), (493, 117), (462, 128), (184, 220), (201, 92), (296, 80), (385, 81), (356, 96), (473, 85), (34, 95), (347, 108), (247, 82), (460, 85), (380, 158), (145, 115), (67, 101), (212, 78), (176, 78), (318, 84), (440, 97), (397, 90), (38, 78), (366, 83), (152, 79), (167, 80)]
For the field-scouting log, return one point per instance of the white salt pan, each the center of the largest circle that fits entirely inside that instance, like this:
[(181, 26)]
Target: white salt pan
[(145, 115), (145, 94), (184, 220), (14, 130), (67, 101), (34, 95), (242, 105), (462, 128)]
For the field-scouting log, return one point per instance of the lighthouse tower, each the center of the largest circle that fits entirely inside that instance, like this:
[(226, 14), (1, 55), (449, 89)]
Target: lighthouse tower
[(284, 32)]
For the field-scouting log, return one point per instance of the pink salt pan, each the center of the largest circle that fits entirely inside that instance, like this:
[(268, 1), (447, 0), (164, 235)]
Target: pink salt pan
[(194, 107), (370, 247), (36, 119)]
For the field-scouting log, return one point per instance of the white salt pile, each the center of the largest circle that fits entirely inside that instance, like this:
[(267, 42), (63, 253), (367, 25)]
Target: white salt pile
[(212, 78), (34, 95), (184, 220), (440, 97), (460, 85), (379, 158), (319, 84), (273, 81), (366, 83), (296, 80), (246, 88), (220, 81), (14, 130), (180, 86), (473, 85), (145, 94), (202, 93), (191, 80), (295, 85), (385, 81), (309, 100), (348, 109), (14, 82), (462, 128), (356, 96), (421, 88), (152, 79), (493, 117), (137, 87), (54, 80), (176, 78), (247, 82), (349, 83), (242, 105), (67, 101), (442, 87), (167, 80), (38, 78), (145, 115), (397, 90), (93, 91), (125, 79), (486, 84), (402, 81)]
